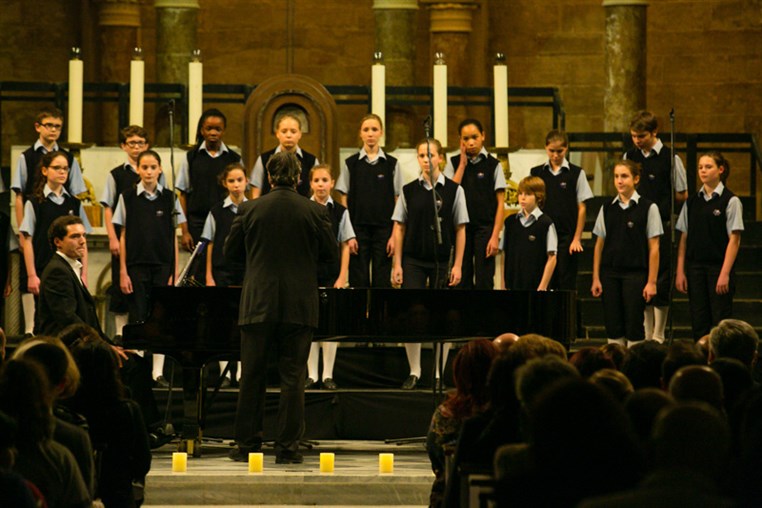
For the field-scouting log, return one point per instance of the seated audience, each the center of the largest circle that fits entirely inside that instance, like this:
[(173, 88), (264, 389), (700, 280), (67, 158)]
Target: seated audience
[(642, 365), (14, 490), (614, 382), (679, 354), (616, 352), (697, 383), (736, 381), (589, 360), (733, 338), (643, 406)]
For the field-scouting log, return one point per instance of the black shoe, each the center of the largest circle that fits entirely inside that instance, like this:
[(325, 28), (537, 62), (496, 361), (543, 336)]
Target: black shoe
[(288, 457), (309, 383), (28, 335), (161, 382), (160, 436), (330, 384), (242, 454), (410, 382), (226, 383)]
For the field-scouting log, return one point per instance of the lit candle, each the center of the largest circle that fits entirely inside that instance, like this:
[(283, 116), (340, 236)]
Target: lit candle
[(385, 463), (501, 102), (76, 85), (440, 99), (326, 462), (137, 87), (195, 94), (256, 462), (179, 462), (378, 90)]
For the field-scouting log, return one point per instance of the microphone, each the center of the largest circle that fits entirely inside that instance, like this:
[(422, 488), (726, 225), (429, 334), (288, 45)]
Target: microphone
[(427, 126), (672, 114)]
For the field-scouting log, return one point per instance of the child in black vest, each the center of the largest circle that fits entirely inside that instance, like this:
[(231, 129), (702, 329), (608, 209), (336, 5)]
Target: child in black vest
[(369, 184), (626, 257), (148, 214), (48, 201), (711, 222), (529, 241), (417, 256), (655, 185), (288, 130), (321, 183), (483, 181), (199, 178), (48, 124), (566, 190)]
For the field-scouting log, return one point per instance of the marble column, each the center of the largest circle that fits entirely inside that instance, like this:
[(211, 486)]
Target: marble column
[(451, 24), (118, 24), (176, 25), (395, 38)]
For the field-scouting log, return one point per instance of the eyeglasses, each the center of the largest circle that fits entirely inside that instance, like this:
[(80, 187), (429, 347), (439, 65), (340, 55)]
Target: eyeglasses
[(136, 144), (59, 168), (53, 126)]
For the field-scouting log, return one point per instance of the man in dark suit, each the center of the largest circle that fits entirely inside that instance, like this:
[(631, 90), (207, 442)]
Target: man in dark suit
[(64, 300), (281, 237)]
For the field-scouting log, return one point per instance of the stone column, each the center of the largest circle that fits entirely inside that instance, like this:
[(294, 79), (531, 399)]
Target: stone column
[(176, 25), (395, 38), (625, 92), (451, 26), (118, 23)]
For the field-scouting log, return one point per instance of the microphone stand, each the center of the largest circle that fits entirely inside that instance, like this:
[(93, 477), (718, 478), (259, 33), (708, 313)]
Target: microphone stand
[(432, 182), (670, 328), (172, 165)]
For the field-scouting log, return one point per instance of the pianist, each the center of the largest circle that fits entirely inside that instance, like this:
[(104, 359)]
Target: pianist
[(281, 236)]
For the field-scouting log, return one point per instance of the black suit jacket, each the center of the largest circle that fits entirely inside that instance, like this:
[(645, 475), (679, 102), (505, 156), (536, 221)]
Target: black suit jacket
[(281, 236), (63, 300)]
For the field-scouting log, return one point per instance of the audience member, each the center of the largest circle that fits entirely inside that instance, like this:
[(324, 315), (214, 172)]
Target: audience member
[(616, 352), (697, 383), (643, 406), (703, 346), (746, 477), (679, 354), (589, 360), (642, 365), (538, 375), (733, 338), (614, 382), (16, 491), (505, 340), (736, 381)]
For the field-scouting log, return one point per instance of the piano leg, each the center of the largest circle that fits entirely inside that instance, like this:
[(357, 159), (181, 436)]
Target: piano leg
[(193, 405)]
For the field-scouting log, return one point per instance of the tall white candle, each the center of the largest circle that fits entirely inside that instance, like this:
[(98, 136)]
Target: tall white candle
[(501, 103), (137, 88), (378, 92), (76, 85), (440, 100), (195, 95)]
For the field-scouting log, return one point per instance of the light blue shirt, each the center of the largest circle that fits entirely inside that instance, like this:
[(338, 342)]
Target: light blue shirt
[(653, 226), (120, 214), (551, 240), (681, 183), (343, 182), (210, 226), (498, 177), (346, 231), (109, 197), (30, 218), (183, 177), (257, 176), (733, 213), (19, 178), (459, 210)]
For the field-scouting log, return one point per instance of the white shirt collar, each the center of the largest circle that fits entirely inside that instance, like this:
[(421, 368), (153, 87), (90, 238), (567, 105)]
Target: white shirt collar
[(38, 144), (379, 155), (634, 198), (46, 191), (75, 264), (440, 179), (717, 190), (656, 148), (298, 150), (229, 202), (141, 189), (328, 202), (223, 147), (536, 213), (564, 165)]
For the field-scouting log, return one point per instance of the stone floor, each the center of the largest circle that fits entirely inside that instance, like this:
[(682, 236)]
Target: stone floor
[(215, 480)]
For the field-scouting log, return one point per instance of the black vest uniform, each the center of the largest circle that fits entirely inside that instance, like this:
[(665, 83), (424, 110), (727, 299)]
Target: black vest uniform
[(655, 178), (371, 191), (205, 189), (479, 186), (708, 233), (124, 179), (32, 158), (150, 230), (224, 271), (329, 272), (45, 213), (560, 199), (526, 252), (420, 240), (307, 161), (626, 246)]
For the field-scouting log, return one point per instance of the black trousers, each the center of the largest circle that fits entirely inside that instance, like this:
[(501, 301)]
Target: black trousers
[(707, 308), (371, 243), (565, 274), (623, 304), (475, 264), (292, 345), (117, 299), (144, 278), (417, 274)]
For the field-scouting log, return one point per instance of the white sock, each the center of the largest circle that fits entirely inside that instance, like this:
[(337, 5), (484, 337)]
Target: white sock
[(631, 343), (312, 361), (158, 366), (660, 323), (329, 358), (238, 372), (119, 321), (447, 347), (223, 366), (413, 351), (621, 341), (648, 321), (27, 303)]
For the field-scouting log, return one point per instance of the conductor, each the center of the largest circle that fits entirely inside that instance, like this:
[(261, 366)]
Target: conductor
[(281, 237)]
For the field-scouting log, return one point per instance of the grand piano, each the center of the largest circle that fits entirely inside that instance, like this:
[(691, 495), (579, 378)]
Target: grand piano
[(195, 325)]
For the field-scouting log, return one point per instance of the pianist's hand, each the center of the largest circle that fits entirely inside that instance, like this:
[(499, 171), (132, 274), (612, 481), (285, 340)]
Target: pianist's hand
[(121, 354)]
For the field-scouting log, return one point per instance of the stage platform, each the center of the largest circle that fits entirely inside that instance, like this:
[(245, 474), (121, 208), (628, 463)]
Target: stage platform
[(214, 479)]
